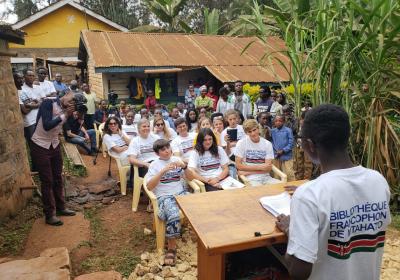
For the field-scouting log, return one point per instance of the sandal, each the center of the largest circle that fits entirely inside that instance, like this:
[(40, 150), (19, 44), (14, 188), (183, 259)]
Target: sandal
[(170, 257)]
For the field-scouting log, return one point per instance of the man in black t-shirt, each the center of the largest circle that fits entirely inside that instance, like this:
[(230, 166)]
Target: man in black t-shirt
[(75, 133)]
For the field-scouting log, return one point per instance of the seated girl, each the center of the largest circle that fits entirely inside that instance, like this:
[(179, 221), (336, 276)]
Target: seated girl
[(162, 130), (164, 178), (191, 118), (116, 140), (141, 151), (208, 162)]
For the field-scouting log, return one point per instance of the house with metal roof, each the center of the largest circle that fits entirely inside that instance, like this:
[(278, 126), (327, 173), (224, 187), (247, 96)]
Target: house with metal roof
[(167, 62), (53, 33)]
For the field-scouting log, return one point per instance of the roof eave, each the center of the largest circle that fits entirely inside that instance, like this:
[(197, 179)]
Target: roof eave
[(60, 4)]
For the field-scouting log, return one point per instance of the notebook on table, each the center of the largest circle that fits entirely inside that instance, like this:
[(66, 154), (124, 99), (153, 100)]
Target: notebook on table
[(277, 204)]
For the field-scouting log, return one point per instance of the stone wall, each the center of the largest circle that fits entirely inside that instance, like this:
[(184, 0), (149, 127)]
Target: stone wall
[(14, 166)]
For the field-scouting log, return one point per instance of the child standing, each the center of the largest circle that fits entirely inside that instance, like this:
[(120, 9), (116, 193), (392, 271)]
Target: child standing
[(164, 178), (282, 141)]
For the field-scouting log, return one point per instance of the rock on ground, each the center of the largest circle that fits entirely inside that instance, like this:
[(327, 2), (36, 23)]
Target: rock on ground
[(151, 265), (53, 263), (101, 275)]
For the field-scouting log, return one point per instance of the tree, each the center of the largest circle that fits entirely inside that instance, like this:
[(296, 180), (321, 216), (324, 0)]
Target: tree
[(167, 11), (24, 8)]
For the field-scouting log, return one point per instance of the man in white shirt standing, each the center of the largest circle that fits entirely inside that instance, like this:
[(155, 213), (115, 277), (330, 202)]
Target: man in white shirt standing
[(90, 104), (240, 101), (46, 86), (30, 98), (337, 225)]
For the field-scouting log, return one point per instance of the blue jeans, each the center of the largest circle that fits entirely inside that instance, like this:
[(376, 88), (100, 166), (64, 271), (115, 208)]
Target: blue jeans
[(81, 140)]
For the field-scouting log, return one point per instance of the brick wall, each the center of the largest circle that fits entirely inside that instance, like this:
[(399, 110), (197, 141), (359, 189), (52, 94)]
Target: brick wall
[(14, 167), (96, 81)]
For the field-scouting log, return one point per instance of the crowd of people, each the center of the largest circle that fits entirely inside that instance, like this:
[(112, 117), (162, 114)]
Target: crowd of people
[(211, 137)]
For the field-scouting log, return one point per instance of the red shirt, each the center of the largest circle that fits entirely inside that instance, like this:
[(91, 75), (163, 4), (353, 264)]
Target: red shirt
[(214, 98), (150, 102)]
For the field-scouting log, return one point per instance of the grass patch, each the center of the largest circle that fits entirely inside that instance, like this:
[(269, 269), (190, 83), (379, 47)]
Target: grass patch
[(70, 168), (96, 228), (396, 221), (14, 231)]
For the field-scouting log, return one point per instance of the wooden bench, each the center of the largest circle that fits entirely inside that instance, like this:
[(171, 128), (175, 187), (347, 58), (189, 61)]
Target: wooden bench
[(72, 153)]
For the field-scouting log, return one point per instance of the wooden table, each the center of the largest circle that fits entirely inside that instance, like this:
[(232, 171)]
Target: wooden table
[(225, 222)]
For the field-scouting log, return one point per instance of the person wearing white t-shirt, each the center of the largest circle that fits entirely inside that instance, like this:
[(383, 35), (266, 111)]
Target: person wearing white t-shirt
[(129, 127), (116, 140), (208, 162), (164, 178), (29, 100), (46, 86), (182, 145), (232, 118), (161, 129), (254, 155), (337, 225), (140, 150)]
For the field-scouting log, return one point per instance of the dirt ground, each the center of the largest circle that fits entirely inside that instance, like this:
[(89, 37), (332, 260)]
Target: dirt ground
[(115, 239)]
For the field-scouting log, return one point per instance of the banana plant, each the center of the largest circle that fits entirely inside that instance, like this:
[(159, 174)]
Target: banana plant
[(168, 12)]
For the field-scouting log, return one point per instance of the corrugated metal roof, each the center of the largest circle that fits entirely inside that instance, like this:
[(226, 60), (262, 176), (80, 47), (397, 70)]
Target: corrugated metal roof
[(220, 54)]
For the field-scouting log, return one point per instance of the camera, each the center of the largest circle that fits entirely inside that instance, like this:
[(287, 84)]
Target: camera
[(80, 101), (112, 98)]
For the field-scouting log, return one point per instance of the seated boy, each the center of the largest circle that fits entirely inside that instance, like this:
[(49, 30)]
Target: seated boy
[(164, 179), (254, 155), (338, 221)]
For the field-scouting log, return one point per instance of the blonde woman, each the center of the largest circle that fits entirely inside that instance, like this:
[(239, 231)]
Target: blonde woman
[(161, 130)]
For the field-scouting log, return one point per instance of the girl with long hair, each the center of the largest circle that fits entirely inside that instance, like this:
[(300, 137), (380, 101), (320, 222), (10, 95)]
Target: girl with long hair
[(208, 162), (115, 139), (162, 130), (191, 118)]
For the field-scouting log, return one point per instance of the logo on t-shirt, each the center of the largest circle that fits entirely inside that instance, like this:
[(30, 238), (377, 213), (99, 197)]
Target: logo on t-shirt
[(255, 157), (146, 149), (358, 229), (187, 146), (209, 163), (171, 176)]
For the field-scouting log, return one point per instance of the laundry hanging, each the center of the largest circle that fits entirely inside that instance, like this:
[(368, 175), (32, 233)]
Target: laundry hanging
[(157, 88)]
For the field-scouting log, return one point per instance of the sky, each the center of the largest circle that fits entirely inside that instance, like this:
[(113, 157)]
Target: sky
[(7, 5)]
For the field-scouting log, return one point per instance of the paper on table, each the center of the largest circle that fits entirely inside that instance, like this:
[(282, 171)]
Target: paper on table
[(229, 183), (277, 204)]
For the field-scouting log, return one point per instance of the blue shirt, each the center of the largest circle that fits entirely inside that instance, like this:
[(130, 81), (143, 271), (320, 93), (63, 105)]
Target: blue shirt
[(61, 88), (282, 139)]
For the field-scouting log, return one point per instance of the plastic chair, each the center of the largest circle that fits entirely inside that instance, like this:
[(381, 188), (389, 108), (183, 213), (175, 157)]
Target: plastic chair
[(158, 224), (276, 173), (137, 187), (101, 134), (123, 171)]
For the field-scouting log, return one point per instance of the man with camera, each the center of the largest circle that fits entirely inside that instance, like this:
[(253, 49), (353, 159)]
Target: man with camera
[(46, 153)]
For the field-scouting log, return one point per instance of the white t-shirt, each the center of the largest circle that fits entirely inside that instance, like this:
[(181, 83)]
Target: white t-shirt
[(240, 134), (338, 223), (172, 134), (26, 95), (208, 165), (115, 140), (130, 130), (193, 127), (183, 145), (142, 148), (47, 88), (170, 183), (255, 153)]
